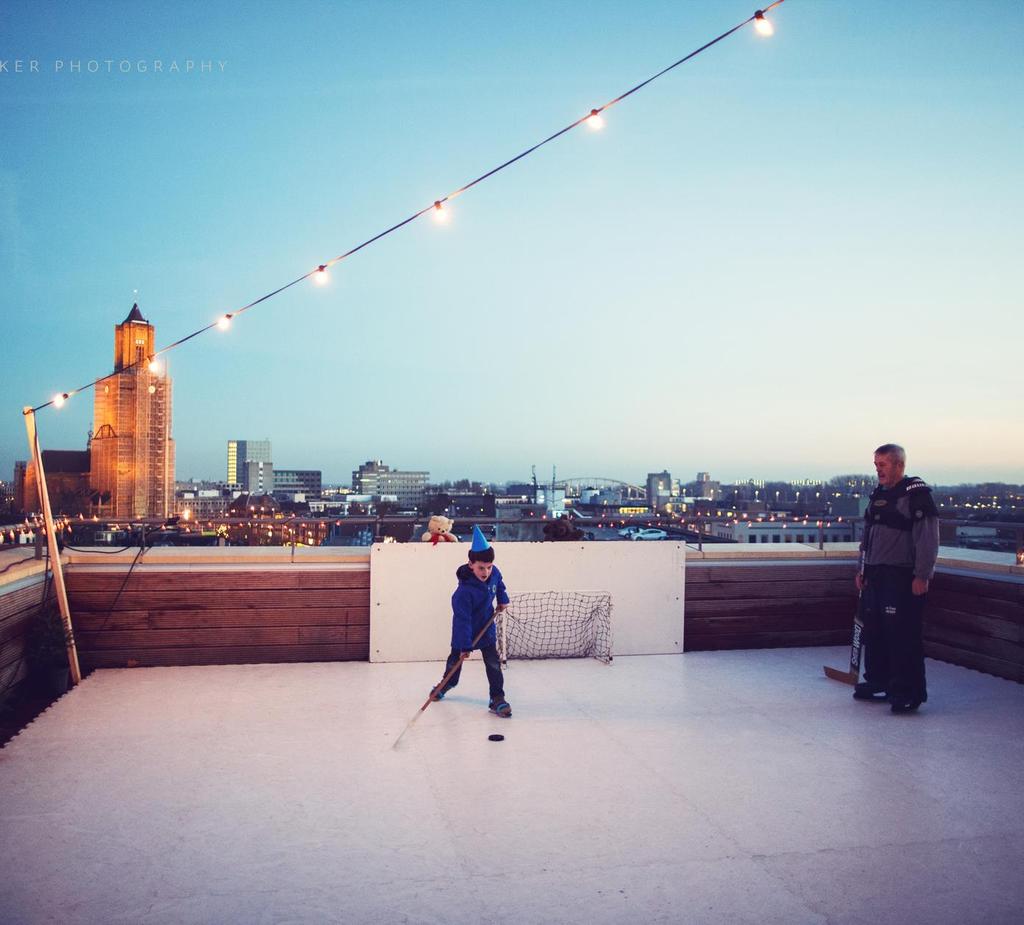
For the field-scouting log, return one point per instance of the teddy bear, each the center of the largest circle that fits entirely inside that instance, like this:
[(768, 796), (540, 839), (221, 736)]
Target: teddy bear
[(439, 530)]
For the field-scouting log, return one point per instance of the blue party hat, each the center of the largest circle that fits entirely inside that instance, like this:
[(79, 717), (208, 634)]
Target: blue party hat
[(479, 540)]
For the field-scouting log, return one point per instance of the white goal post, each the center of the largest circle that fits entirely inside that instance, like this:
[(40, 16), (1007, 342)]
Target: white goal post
[(556, 624)]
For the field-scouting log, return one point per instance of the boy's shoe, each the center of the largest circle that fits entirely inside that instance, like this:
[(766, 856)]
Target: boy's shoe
[(865, 691), (500, 708), (437, 694)]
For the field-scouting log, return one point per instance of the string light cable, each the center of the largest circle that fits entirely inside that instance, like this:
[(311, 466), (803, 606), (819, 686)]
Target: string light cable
[(594, 119), (124, 584)]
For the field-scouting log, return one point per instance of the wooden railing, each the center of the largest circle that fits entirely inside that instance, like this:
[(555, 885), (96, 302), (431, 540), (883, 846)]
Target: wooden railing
[(202, 614), (755, 605), (976, 622), (22, 586), (974, 615), (225, 606)]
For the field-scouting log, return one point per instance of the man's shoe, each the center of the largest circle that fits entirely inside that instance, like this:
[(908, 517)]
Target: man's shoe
[(905, 706), (865, 691)]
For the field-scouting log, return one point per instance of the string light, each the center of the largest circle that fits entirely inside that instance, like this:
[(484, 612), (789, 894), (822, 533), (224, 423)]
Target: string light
[(595, 121), (762, 24)]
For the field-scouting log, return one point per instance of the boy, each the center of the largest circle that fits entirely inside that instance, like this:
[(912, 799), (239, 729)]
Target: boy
[(473, 603)]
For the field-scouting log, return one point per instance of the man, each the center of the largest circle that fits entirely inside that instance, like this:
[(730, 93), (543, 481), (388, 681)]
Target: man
[(897, 561)]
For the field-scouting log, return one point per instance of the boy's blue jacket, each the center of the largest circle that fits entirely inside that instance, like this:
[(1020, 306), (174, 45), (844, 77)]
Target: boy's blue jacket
[(473, 605)]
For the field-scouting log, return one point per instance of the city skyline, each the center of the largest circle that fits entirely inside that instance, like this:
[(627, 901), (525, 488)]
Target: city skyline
[(711, 283), (681, 476), (445, 470)]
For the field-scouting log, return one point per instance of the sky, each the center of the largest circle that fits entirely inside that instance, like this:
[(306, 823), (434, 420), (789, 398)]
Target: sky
[(772, 259)]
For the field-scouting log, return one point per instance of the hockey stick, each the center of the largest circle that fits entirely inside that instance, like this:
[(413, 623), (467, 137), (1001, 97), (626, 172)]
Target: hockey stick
[(446, 678), (856, 648)]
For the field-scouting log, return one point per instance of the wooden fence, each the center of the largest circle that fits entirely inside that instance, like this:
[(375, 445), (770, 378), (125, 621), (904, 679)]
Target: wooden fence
[(972, 620), (20, 604), (976, 622), (203, 614), (760, 605), (222, 616)]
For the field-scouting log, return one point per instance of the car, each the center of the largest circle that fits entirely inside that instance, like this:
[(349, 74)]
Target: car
[(628, 532), (650, 533)]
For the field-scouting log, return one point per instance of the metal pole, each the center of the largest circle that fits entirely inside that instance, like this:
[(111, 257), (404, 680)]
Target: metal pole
[(51, 539)]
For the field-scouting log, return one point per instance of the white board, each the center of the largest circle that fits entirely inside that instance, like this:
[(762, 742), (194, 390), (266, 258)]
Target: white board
[(411, 586)]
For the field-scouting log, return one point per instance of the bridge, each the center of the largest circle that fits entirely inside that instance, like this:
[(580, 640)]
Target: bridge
[(574, 486)]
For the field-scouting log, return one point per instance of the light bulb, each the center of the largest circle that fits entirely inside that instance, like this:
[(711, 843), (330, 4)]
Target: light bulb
[(224, 322), (595, 120), (762, 24), (152, 390), (439, 212), (58, 400), (154, 366), (320, 277)]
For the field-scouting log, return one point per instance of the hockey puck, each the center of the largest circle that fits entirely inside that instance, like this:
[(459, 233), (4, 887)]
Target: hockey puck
[(496, 737)]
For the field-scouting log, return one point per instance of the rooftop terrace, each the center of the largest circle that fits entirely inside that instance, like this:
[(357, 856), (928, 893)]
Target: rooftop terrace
[(706, 787)]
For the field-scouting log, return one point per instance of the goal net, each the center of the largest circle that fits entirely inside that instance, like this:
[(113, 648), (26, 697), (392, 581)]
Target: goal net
[(556, 624)]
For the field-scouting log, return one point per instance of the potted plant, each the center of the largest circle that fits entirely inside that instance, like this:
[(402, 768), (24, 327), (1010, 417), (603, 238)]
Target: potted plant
[(48, 648)]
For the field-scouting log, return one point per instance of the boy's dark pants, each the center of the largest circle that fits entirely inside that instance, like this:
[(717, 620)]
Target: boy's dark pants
[(893, 626), (491, 662)]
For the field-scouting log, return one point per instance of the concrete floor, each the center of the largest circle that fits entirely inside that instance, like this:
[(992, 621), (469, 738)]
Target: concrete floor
[(712, 787)]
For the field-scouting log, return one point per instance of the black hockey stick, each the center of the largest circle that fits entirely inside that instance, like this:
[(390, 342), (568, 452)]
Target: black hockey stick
[(856, 648)]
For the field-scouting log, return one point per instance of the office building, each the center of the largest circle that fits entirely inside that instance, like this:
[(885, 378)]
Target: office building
[(375, 479), (291, 482), (659, 489), (250, 466)]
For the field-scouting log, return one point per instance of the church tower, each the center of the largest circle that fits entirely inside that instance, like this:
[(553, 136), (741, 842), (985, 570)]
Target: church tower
[(132, 462)]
